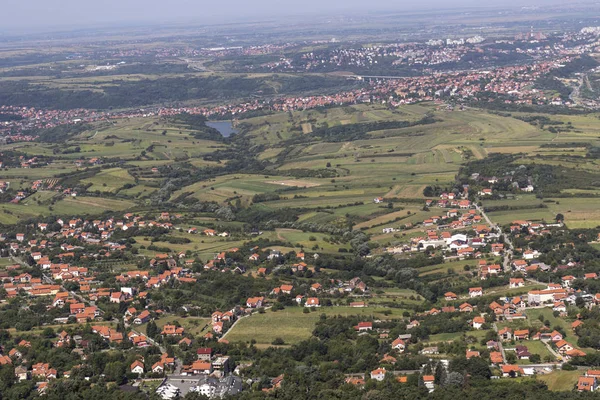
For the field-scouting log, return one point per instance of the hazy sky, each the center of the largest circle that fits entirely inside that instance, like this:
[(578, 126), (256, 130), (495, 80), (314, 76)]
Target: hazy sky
[(65, 14)]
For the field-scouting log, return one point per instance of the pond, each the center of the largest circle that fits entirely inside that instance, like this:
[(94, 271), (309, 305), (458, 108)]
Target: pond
[(225, 128)]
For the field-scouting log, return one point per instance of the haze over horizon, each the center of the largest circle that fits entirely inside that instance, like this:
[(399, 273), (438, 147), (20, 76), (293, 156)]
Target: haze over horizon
[(35, 15)]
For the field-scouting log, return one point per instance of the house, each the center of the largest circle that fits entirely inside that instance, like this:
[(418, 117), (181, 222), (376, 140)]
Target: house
[(217, 327), (204, 353), (171, 330), (522, 352), (543, 296), (563, 346), (201, 367), (388, 359), (475, 292), (519, 265), (364, 326), (43, 370), (587, 384), (465, 307), (511, 371), (399, 345), (429, 380), (531, 254), (312, 302), (158, 367), (556, 336), (478, 322), (472, 353), (429, 350), (593, 372), (505, 334), (522, 334), (576, 324), (559, 306), (137, 367), (413, 324), (378, 374), (449, 296), (142, 318), (567, 281), (255, 302), (287, 289), (516, 282), (496, 357), (355, 381), (575, 353), (14, 353), (21, 373), (117, 297)]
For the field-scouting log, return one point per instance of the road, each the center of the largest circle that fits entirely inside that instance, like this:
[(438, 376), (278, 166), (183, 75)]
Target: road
[(500, 346), (551, 350), (508, 252), (238, 320)]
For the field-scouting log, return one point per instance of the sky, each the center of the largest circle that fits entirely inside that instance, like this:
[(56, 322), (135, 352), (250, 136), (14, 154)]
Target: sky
[(33, 15)]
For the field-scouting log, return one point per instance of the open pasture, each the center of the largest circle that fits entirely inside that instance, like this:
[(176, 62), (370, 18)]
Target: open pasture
[(292, 325)]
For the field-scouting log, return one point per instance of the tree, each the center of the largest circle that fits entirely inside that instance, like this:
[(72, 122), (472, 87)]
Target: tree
[(48, 333), (115, 372), (440, 374), (151, 329), (478, 367), (454, 379), (559, 217), (511, 357)]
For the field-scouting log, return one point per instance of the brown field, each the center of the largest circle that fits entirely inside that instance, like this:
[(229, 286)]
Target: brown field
[(307, 128), (294, 182)]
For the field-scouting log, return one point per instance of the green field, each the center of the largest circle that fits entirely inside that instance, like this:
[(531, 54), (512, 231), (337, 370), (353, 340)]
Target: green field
[(292, 325), (109, 180), (561, 381), (195, 326)]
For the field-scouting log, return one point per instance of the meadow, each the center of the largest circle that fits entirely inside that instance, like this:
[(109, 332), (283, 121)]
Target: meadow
[(293, 325)]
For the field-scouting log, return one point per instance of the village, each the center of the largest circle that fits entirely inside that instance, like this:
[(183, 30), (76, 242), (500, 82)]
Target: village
[(45, 268)]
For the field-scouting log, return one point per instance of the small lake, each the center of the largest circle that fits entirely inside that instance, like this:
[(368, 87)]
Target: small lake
[(225, 128)]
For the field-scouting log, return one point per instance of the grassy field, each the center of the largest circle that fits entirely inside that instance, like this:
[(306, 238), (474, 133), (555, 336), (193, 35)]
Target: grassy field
[(193, 325), (534, 347), (561, 381), (292, 325), (109, 180)]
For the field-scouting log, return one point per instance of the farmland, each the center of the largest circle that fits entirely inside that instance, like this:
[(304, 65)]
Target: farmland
[(395, 164)]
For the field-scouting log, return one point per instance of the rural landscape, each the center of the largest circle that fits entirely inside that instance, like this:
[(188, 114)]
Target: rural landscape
[(371, 206)]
